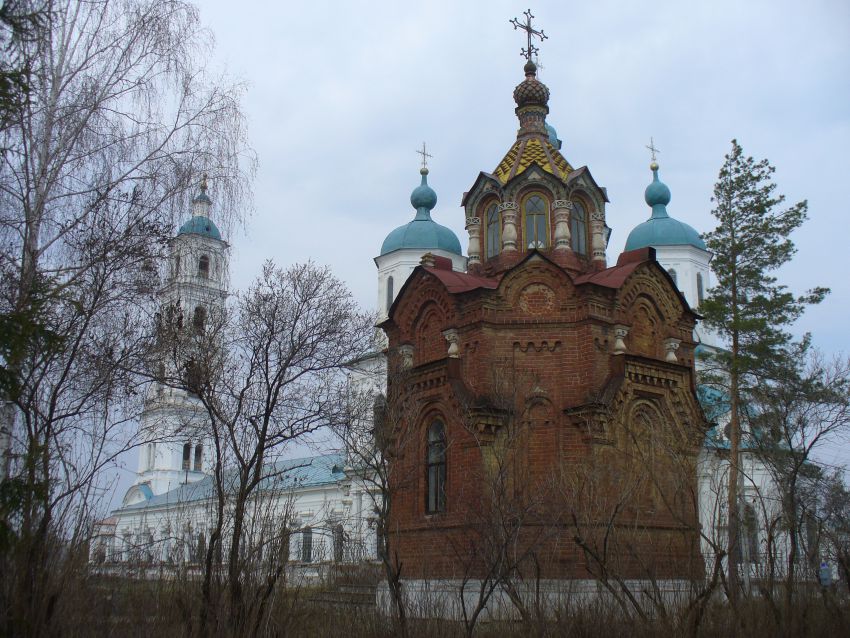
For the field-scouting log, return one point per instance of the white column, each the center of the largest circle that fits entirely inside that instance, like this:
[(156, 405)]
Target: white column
[(473, 227), (561, 209), (508, 212), (597, 229)]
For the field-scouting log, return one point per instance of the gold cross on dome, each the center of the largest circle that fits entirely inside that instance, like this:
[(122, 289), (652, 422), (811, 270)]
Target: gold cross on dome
[(652, 149), (425, 155), (530, 31)]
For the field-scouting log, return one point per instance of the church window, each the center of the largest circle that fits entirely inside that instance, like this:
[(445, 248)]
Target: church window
[(436, 468), (700, 290), (284, 545), (307, 545), (494, 230), (536, 223), (204, 267), (176, 265), (199, 457), (151, 455), (187, 452), (199, 318), (673, 276), (749, 536), (390, 293), (339, 542), (578, 228)]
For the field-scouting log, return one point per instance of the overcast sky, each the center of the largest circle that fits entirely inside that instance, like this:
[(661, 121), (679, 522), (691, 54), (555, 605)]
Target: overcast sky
[(341, 94)]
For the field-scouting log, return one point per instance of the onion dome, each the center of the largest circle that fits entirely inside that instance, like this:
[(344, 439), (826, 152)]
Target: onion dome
[(553, 136), (531, 91), (201, 224), (423, 232), (661, 229)]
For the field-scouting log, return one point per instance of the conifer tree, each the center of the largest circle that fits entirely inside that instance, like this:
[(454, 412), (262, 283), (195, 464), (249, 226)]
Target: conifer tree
[(748, 307)]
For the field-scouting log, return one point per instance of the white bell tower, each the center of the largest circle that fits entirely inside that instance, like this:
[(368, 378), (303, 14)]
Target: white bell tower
[(176, 446)]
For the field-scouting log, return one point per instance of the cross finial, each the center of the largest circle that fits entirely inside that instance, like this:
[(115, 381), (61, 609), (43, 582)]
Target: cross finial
[(530, 31), (425, 155), (204, 183), (652, 149)]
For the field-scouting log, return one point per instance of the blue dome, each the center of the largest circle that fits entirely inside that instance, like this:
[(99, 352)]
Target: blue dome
[(661, 229), (553, 136), (200, 225), (423, 232)]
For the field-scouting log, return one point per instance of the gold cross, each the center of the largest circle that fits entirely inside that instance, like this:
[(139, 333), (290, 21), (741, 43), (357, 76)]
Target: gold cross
[(652, 148), (530, 31), (425, 155)]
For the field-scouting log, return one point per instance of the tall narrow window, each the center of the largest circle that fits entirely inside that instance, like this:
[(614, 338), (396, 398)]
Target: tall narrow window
[(187, 452), (673, 276), (307, 545), (199, 318), (199, 457), (700, 290), (390, 293), (339, 543), (578, 228), (535, 222), (284, 545), (176, 265), (204, 267), (750, 535), (494, 230), (436, 468)]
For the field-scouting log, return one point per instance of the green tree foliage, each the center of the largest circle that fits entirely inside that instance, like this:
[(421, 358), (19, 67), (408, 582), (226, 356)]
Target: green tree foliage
[(748, 306)]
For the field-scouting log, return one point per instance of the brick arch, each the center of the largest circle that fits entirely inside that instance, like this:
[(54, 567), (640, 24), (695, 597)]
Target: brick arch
[(410, 308), (647, 327), (590, 197), (655, 290), (427, 332), (536, 273)]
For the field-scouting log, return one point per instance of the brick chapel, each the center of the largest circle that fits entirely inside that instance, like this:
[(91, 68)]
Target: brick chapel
[(542, 413)]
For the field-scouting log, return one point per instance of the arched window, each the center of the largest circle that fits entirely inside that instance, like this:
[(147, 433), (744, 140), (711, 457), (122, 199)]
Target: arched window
[(578, 228), (536, 222), (307, 545), (204, 267), (494, 230), (673, 276), (436, 468), (151, 455), (390, 292), (199, 317), (187, 453), (700, 290), (176, 265), (199, 457)]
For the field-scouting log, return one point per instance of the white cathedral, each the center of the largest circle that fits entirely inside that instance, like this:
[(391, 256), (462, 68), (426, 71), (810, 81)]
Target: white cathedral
[(164, 517)]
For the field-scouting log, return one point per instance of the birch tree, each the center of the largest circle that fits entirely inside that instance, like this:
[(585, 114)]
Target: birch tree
[(121, 117)]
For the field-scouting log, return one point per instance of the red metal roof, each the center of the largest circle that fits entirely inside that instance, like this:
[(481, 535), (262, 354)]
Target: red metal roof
[(456, 282)]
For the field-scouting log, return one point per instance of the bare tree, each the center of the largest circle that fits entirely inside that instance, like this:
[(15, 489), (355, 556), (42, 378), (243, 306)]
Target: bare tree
[(269, 373), (121, 116), (793, 416)]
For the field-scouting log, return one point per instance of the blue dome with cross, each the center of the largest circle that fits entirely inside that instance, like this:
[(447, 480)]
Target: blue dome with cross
[(423, 232), (661, 229), (201, 224)]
